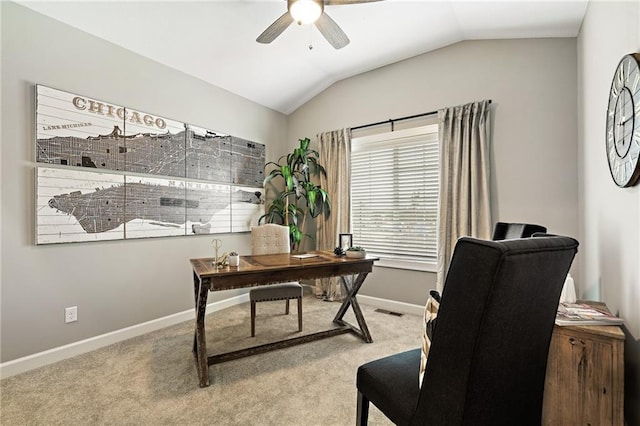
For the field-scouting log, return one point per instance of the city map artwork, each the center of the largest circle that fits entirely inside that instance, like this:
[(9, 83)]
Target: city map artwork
[(74, 205), (117, 173)]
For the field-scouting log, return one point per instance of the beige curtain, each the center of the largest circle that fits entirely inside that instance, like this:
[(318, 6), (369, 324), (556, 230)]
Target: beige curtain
[(464, 179), (335, 156)]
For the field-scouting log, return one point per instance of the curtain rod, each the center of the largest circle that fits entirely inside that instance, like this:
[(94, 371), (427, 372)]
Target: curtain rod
[(393, 120)]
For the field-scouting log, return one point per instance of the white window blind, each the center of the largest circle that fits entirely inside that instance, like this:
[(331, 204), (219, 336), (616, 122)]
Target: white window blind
[(394, 195)]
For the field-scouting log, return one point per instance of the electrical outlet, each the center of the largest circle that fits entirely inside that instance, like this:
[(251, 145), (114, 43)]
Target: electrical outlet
[(71, 314)]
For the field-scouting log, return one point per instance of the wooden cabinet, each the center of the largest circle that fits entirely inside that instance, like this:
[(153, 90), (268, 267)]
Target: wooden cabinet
[(585, 377)]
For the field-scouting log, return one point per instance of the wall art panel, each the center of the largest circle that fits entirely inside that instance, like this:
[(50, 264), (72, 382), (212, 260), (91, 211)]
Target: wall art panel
[(209, 210), (208, 155), (246, 207), (74, 205), (247, 162), (154, 152), (154, 207), (74, 131)]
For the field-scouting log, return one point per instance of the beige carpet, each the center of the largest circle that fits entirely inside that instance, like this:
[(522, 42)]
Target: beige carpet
[(151, 379)]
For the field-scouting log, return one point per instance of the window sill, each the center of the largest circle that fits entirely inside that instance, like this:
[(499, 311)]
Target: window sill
[(412, 265)]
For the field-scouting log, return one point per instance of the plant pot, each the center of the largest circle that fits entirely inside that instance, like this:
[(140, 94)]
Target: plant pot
[(356, 254), (234, 260)]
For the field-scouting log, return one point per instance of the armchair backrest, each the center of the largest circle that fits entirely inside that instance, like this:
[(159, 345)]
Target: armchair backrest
[(509, 231), (270, 239), (488, 355)]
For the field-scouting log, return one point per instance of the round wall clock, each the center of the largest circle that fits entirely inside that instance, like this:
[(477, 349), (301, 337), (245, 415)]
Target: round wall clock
[(623, 122)]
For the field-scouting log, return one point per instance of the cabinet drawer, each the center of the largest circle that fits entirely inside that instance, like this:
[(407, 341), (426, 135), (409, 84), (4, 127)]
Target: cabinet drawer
[(584, 381)]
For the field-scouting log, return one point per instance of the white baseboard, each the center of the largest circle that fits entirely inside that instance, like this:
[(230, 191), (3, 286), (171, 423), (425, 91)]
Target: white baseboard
[(391, 305), (40, 359)]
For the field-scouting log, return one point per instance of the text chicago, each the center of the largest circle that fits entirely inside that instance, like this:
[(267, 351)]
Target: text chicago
[(112, 111)]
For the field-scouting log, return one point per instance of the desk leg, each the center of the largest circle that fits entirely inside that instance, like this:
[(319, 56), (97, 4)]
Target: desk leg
[(352, 289), (199, 338)]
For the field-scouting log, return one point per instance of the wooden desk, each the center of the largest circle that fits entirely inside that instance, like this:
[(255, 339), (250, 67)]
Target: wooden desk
[(268, 269)]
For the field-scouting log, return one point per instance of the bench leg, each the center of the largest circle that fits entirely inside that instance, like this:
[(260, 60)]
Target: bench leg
[(286, 312), (362, 415), (300, 314)]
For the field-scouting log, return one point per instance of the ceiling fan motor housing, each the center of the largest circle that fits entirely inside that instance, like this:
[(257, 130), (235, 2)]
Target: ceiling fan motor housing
[(305, 11)]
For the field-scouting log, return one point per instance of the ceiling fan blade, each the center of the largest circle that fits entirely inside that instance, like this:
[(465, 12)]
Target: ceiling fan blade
[(331, 31), (275, 29), (342, 2)]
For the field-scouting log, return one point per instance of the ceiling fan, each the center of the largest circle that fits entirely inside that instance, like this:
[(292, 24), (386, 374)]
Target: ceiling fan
[(310, 12)]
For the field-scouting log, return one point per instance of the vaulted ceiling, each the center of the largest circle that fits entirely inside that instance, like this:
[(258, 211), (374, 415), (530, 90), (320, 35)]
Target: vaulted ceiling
[(216, 40)]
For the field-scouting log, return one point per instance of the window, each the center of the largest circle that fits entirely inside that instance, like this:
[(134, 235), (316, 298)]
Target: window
[(394, 196)]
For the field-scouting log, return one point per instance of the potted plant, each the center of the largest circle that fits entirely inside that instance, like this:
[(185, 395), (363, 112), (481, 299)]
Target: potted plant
[(297, 197), (356, 252)]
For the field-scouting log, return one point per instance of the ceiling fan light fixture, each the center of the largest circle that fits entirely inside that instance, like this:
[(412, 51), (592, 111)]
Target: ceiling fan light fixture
[(305, 11)]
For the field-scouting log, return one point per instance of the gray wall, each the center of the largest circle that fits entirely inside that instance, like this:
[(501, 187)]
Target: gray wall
[(532, 84), (114, 284), (610, 216)]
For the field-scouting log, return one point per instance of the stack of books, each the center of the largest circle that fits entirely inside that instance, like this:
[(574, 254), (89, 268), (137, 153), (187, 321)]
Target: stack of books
[(584, 314)]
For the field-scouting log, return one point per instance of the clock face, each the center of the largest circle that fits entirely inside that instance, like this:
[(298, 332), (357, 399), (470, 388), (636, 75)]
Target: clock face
[(623, 122)]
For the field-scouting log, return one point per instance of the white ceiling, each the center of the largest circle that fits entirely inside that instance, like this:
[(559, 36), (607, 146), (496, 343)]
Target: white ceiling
[(215, 40)]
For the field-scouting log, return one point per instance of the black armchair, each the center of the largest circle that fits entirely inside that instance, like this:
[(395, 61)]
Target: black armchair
[(508, 231), (489, 348)]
